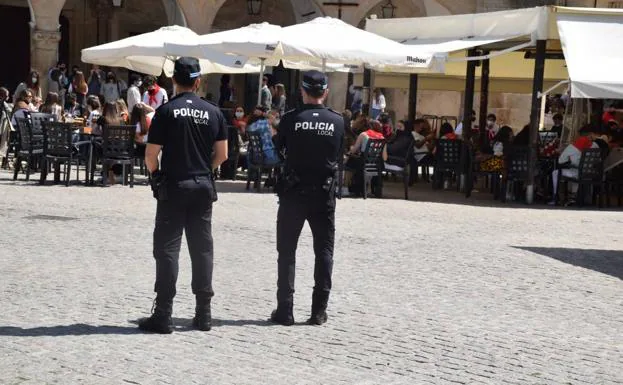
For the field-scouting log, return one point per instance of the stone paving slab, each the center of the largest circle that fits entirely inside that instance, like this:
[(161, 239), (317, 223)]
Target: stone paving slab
[(424, 293)]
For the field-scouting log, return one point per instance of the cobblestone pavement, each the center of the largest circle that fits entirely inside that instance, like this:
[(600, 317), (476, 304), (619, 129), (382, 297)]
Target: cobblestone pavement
[(424, 292)]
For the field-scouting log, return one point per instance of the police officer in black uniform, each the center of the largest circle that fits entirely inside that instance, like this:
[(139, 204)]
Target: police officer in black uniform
[(311, 138), (192, 136)]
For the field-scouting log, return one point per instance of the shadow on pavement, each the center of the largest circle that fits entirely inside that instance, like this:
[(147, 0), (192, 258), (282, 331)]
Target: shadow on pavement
[(66, 330), (603, 261)]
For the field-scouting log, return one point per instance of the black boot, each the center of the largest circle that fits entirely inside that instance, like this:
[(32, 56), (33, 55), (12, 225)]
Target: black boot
[(319, 308), (283, 314), (203, 314), (160, 321)]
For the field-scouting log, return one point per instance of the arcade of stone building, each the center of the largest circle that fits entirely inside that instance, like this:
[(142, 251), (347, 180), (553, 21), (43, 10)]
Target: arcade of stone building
[(37, 33)]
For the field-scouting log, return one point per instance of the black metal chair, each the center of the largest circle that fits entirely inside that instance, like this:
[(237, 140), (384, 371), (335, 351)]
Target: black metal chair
[(590, 173), (517, 166), (257, 161), (29, 149), (447, 160), (59, 148), (118, 148), (372, 166), (401, 166)]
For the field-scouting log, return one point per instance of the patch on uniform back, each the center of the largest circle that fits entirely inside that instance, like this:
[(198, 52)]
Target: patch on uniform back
[(189, 101)]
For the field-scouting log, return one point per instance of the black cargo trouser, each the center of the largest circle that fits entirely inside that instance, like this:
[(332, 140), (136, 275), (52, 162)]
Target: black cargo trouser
[(319, 211), (187, 207)]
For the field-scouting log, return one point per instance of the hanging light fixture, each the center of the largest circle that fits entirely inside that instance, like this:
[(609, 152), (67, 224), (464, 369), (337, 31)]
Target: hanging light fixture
[(117, 3), (388, 10), (254, 7)]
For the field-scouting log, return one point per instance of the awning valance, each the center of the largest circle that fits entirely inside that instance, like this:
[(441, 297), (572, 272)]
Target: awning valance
[(444, 34), (591, 44)]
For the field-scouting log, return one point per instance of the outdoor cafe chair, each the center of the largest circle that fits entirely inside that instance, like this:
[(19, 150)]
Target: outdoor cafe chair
[(59, 148), (372, 166), (402, 167), (517, 166), (118, 148), (257, 161), (590, 174), (29, 148), (447, 160)]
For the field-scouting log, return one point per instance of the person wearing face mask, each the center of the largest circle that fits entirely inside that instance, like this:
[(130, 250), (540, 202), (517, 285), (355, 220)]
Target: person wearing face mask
[(134, 92), (32, 83), (492, 127), (95, 80), (110, 89), (155, 96), (240, 121)]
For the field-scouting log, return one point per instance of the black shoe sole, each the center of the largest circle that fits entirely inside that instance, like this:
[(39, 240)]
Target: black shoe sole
[(202, 326), (152, 329), (317, 320), (289, 321)]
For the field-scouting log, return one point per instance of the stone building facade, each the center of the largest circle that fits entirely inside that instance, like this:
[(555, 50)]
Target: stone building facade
[(62, 28)]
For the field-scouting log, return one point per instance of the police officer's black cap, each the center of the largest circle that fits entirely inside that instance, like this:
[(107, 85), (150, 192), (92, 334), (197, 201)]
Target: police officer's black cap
[(186, 69), (315, 80)]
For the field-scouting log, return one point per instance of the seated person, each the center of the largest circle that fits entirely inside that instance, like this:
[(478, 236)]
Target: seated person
[(569, 160), (386, 125), (141, 117), (500, 145), (259, 123), (557, 127), (398, 147), (354, 160), (447, 132)]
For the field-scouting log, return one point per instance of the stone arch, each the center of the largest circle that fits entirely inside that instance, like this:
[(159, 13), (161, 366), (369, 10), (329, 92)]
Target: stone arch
[(175, 15), (33, 20), (273, 11), (404, 8)]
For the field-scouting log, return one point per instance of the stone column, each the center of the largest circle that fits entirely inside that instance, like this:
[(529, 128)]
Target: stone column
[(338, 86), (45, 36), (45, 53)]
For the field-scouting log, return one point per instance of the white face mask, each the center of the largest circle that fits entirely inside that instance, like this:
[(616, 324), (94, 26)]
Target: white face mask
[(34, 80), (239, 115), (277, 121), (490, 123), (139, 83)]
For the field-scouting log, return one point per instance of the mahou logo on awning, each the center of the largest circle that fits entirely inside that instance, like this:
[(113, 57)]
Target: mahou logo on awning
[(415, 59)]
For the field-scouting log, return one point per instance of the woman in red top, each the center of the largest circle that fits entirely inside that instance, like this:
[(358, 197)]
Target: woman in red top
[(240, 120)]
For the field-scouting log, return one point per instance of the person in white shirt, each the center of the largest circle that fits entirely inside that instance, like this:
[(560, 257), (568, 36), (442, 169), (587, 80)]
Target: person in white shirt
[(154, 96), (134, 93), (378, 103), (459, 128), (94, 110), (570, 158)]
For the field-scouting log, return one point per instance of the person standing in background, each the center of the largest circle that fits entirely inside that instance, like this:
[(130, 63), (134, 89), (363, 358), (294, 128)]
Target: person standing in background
[(378, 104), (134, 92)]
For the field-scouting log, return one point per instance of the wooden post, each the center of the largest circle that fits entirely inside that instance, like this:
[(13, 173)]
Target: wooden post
[(413, 79), (468, 107), (367, 79), (535, 112), (484, 102), (468, 100)]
